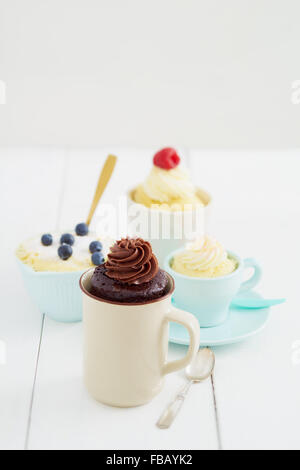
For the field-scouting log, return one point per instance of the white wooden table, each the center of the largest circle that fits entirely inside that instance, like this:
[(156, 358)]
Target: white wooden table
[(253, 400)]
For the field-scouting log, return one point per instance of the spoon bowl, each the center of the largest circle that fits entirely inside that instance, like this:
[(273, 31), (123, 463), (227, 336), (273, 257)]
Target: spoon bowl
[(202, 366)]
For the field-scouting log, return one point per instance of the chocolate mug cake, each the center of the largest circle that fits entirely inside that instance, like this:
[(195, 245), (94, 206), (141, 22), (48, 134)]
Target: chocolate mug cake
[(130, 275), (127, 307)]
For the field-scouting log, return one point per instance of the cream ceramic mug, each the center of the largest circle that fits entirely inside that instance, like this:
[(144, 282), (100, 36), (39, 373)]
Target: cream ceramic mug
[(126, 346)]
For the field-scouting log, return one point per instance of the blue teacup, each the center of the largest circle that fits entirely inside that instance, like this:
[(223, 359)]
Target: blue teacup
[(209, 299)]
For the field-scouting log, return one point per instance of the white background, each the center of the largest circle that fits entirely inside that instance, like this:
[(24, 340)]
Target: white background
[(204, 73)]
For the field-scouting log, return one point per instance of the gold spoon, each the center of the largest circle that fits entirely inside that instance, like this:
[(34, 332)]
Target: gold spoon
[(103, 180)]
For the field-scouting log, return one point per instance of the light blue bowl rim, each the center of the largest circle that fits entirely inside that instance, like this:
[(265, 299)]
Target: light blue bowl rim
[(206, 279)]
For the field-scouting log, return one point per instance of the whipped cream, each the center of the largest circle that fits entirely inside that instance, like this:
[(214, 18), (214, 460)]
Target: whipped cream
[(45, 258), (205, 257), (164, 186)]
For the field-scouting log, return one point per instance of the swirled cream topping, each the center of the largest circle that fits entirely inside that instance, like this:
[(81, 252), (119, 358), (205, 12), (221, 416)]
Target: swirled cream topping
[(171, 187), (131, 261), (205, 257)]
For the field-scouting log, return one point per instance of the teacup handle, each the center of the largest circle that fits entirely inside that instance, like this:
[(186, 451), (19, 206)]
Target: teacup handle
[(191, 324), (255, 278)]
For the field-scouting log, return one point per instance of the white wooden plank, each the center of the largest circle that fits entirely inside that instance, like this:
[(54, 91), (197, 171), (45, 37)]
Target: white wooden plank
[(64, 416), (257, 382), (30, 182)]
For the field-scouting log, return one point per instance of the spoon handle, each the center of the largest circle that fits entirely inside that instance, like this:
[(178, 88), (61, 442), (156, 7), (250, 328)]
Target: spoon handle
[(103, 180), (172, 410)]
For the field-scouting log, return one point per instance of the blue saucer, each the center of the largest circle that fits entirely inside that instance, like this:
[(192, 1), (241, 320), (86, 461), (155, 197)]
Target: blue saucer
[(241, 324)]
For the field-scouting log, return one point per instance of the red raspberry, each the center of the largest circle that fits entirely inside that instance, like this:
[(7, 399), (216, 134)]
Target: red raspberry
[(166, 158)]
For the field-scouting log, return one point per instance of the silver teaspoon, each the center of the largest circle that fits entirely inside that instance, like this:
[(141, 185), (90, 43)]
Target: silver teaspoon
[(200, 369)]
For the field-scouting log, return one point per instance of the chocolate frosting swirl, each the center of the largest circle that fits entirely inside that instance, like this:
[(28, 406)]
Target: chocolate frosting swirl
[(131, 261)]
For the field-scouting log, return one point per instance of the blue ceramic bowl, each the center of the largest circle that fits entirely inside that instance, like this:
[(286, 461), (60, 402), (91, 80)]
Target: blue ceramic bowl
[(56, 294)]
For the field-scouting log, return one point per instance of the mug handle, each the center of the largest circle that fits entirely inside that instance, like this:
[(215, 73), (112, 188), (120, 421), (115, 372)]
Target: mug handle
[(256, 276), (191, 324)]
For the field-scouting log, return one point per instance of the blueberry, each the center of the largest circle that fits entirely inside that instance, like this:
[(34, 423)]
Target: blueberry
[(97, 258), (67, 238), (82, 229), (64, 252), (95, 246), (47, 239)]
